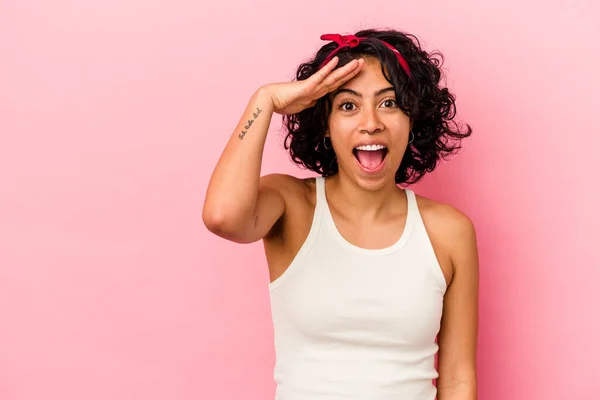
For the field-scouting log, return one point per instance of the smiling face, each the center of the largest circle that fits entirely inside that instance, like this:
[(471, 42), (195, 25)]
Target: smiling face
[(368, 131)]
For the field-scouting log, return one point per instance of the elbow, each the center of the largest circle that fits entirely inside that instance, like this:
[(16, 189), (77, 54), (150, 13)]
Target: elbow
[(216, 221), (213, 221), (223, 225)]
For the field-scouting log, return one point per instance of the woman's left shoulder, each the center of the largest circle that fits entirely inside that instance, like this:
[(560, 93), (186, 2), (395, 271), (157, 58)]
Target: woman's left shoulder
[(445, 221), (452, 234)]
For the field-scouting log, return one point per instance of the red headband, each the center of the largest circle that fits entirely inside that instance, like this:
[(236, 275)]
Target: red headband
[(353, 41)]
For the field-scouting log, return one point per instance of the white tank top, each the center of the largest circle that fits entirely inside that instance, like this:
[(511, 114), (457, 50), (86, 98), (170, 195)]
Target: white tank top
[(355, 323)]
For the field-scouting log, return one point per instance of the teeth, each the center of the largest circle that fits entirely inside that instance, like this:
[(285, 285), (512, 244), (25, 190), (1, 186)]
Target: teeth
[(370, 147)]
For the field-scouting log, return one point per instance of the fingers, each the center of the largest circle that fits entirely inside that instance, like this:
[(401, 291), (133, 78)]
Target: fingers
[(326, 74), (325, 70), (343, 75), (327, 80), (340, 76), (352, 66)]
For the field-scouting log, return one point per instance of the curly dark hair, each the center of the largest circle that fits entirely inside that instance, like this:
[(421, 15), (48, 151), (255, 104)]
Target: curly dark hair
[(430, 107)]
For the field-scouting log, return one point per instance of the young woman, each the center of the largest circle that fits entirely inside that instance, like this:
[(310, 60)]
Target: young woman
[(369, 281)]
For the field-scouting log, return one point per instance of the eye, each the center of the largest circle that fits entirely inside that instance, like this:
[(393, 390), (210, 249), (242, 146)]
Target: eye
[(389, 103), (347, 106)]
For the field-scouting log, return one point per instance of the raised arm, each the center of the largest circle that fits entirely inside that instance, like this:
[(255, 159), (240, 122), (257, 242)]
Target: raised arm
[(236, 207), (240, 205)]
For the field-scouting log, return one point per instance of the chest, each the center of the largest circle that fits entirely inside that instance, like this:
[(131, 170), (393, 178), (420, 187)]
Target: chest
[(282, 248), (377, 302)]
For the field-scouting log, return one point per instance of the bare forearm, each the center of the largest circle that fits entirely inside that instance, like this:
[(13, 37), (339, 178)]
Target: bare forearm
[(457, 389), (233, 187)]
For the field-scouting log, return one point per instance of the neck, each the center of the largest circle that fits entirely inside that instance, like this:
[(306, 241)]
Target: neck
[(372, 204)]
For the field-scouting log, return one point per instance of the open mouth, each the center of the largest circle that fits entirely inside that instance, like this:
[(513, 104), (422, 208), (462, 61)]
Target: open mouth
[(370, 156)]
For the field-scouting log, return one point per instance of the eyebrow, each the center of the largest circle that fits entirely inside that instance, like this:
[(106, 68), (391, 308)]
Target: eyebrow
[(357, 94)]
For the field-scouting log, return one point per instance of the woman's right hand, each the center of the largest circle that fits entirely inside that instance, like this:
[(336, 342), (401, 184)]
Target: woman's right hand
[(293, 97)]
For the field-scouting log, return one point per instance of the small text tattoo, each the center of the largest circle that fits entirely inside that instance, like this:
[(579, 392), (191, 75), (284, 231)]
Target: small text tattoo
[(256, 221), (250, 122), (310, 180)]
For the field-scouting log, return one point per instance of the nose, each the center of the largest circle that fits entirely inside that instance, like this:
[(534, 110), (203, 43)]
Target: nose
[(370, 123)]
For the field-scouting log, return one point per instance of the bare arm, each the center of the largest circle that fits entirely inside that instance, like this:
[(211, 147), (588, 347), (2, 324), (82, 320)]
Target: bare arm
[(458, 333), (240, 205), (237, 206)]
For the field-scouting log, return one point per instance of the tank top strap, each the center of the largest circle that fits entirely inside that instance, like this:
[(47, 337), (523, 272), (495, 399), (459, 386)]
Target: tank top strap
[(320, 189), (413, 212), (422, 236), (320, 200), (413, 208), (321, 206)]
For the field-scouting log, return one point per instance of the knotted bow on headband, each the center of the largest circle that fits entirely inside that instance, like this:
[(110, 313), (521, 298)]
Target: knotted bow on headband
[(353, 41)]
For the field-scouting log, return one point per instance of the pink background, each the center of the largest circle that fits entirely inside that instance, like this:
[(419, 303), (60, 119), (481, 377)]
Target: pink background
[(113, 114)]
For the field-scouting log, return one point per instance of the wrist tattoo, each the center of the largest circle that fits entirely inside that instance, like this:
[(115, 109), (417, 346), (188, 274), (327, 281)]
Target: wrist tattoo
[(250, 122)]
